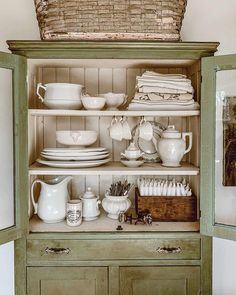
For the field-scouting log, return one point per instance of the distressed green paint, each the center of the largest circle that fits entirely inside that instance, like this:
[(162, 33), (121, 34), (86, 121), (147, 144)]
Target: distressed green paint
[(210, 66), (195, 268), (160, 280), (18, 66), (72, 280), (206, 265), (113, 49)]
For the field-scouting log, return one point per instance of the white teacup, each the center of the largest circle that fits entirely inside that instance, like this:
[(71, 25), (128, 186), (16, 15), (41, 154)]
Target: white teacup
[(126, 129), (116, 129), (145, 130)]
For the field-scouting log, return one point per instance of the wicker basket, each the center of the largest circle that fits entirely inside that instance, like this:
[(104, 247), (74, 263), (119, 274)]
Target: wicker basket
[(167, 208), (110, 19)]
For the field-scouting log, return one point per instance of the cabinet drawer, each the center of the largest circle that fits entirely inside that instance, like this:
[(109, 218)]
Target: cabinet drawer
[(71, 250)]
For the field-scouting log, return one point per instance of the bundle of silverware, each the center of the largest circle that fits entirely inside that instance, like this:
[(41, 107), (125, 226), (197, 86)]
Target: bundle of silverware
[(119, 188)]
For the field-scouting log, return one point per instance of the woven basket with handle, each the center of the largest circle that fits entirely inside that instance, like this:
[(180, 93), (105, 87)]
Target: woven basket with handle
[(110, 19)]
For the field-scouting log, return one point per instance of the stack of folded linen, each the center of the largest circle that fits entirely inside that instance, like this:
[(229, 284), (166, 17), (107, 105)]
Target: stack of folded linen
[(163, 92)]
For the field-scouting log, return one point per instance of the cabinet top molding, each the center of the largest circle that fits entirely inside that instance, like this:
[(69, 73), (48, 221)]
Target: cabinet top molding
[(113, 49)]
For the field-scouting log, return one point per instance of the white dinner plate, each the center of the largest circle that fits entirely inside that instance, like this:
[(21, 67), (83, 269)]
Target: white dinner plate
[(75, 150), (74, 154), (75, 158), (73, 164)]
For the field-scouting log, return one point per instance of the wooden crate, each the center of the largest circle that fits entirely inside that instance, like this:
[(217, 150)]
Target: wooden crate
[(163, 208)]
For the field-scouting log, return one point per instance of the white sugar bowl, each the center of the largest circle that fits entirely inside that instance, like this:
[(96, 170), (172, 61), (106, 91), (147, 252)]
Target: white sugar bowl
[(114, 205), (172, 146), (90, 205), (132, 152)]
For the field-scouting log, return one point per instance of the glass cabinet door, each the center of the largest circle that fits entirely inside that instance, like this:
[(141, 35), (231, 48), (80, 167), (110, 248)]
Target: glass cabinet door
[(218, 147), (12, 149)]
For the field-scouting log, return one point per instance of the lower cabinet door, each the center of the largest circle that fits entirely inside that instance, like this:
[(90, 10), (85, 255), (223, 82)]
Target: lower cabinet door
[(67, 281), (157, 280)]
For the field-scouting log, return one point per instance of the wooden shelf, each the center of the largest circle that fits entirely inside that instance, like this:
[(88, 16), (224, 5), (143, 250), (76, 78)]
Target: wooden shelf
[(116, 168), (85, 113), (105, 224)]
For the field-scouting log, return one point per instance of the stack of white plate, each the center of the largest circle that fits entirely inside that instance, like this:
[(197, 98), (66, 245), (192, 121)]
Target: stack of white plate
[(74, 158)]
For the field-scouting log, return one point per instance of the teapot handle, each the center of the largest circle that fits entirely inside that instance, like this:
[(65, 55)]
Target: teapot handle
[(35, 205), (98, 203), (40, 85), (184, 135)]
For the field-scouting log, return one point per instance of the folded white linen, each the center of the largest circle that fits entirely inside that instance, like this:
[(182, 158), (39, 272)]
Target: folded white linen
[(163, 102), (159, 107), (174, 85), (156, 75), (149, 89), (162, 96)]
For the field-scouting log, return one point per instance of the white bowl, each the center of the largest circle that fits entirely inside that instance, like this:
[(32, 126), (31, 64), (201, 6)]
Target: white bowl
[(77, 137), (114, 100), (93, 103), (63, 104), (132, 163)]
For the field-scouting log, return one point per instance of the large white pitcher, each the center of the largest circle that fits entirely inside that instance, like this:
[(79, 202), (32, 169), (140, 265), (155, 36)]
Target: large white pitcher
[(51, 205)]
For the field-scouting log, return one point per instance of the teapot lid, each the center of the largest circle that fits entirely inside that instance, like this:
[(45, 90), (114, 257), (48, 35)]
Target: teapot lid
[(89, 194), (132, 147), (171, 132)]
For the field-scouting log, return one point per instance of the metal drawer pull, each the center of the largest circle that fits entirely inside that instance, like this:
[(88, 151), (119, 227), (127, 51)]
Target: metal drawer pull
[(165, 250), (57, 250)]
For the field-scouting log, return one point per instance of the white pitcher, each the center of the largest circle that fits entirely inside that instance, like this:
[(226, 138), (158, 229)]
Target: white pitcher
[(51, 205), (172, 146)]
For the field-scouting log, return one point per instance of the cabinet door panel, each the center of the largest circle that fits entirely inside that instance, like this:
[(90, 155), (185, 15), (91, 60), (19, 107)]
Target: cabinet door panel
[(218, 147), (13, 151), (160, 280), (67, 280)]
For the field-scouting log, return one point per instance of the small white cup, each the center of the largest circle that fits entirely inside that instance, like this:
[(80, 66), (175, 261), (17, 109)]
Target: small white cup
[(145, 130), (126, 129), (116, 129)]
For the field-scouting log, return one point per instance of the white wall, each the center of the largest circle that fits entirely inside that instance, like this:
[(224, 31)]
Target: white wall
[(205, 20)]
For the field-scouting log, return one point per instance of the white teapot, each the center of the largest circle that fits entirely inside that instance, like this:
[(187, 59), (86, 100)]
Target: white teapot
[(172, 146), (90, 204), (132, 152)]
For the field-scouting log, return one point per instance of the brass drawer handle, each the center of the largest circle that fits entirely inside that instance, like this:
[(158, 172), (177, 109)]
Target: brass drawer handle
[(57, 250), (165, 250)]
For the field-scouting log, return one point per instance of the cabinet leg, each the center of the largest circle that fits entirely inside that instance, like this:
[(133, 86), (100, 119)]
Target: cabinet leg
[(20, 267), (206, 265)]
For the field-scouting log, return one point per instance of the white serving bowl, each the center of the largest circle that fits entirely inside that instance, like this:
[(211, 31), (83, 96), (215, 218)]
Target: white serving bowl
[(93, 102), (77, 137), (113, 205), (63, 104), (114, 100)]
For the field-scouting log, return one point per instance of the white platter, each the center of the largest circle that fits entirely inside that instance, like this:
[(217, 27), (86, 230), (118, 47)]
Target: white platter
[(73, 164), (75, 158)]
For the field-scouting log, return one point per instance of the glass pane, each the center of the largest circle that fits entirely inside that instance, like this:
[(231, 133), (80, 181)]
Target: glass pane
[(6, 151), (225, 161), (7, 280)]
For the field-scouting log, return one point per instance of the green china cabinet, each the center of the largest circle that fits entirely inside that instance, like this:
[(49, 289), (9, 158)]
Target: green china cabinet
[(167, 258)]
